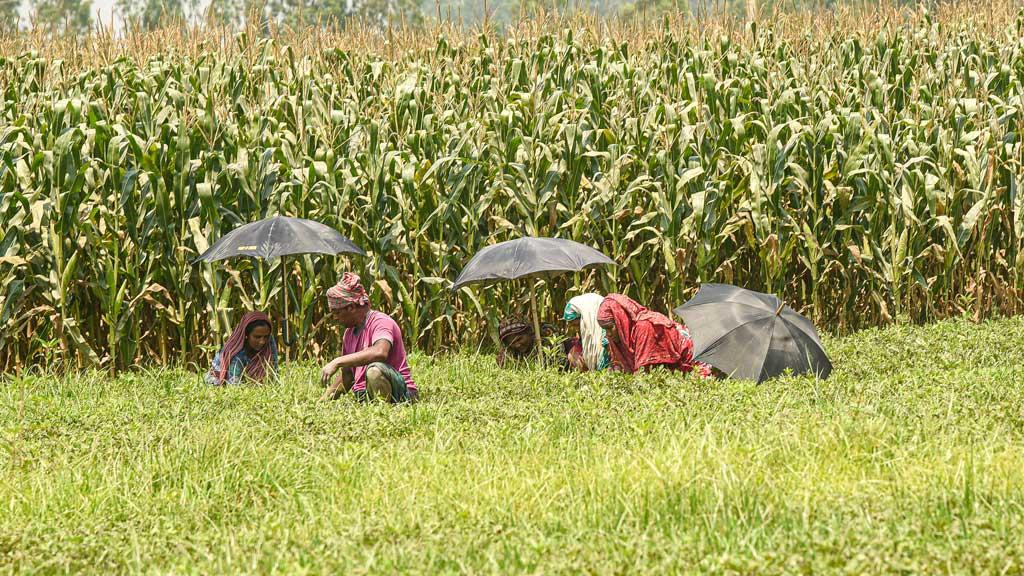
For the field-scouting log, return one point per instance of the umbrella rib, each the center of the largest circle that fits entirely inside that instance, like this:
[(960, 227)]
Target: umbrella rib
[(807, 344), (760, 370), (270, 234), (719, 302), (815, 337), (771, 306), (801, 346)]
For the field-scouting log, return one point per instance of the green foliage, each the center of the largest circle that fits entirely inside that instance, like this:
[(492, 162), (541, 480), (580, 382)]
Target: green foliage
[(653, 7), (9, 15), (338, 12), (150, 14), (866, 178), (62, 16)]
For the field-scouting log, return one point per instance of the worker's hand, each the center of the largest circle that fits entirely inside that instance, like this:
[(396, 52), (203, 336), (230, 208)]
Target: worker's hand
[(328, 371), (577, 361)]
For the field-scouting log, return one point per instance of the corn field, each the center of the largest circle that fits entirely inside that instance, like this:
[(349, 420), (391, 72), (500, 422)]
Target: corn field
[(867, 173)]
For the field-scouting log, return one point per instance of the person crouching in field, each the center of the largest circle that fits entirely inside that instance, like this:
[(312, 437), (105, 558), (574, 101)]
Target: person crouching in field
[(373, 363), (250, 353), (517, 339), (640, 339), (518, 342), (588, 351)]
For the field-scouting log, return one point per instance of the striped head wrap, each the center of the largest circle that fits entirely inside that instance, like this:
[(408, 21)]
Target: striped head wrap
[(347, 291)]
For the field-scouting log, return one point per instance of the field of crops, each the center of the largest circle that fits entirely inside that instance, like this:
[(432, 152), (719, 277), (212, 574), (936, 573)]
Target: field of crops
[(907, 460), (865, 167)]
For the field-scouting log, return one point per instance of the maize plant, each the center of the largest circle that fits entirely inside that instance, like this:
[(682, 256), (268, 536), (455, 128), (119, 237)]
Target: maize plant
[(866, 173)]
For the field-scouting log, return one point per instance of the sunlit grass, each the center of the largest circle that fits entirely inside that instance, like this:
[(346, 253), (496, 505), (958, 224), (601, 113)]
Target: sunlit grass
[(907, 459)]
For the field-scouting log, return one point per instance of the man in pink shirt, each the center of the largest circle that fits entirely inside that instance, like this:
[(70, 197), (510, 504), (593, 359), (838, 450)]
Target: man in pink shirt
[(373, 362)]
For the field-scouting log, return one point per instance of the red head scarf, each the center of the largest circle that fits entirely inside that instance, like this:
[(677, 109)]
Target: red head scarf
[(645, 338), (257, 366)]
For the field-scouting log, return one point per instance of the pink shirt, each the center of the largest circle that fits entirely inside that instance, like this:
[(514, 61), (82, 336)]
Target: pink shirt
[(378, 326)]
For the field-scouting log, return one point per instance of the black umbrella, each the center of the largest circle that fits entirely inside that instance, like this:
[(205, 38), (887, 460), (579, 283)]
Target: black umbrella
[(529, 257), (751, 335), (278, 237)]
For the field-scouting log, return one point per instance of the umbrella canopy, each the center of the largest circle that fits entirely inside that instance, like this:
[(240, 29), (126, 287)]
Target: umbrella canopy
[(751, 335), (280, 236), (529, 256)]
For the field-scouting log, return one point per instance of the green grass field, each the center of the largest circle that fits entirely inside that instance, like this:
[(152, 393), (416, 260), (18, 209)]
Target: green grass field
[(908, 460)]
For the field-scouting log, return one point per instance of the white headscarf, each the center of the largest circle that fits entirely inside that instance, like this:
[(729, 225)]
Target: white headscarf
[(586, 306)]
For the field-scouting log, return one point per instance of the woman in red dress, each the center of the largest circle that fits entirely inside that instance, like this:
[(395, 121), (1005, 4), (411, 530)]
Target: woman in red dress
[(639, 338)]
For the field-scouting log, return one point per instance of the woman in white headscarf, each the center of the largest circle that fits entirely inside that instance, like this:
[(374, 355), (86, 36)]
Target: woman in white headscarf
[(592, 352)]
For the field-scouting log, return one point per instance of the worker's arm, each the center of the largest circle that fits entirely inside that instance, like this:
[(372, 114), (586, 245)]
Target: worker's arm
[(378, 352), (342, 384)]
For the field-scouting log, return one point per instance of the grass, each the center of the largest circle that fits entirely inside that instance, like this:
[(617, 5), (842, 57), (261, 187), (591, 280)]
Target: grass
[(907, 460)]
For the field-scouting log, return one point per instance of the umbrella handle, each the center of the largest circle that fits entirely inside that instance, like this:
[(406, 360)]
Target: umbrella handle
[(285, 336), (538, 340)]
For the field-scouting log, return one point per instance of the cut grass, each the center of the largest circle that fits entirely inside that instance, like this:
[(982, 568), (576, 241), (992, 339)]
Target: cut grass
[(907, 460)]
